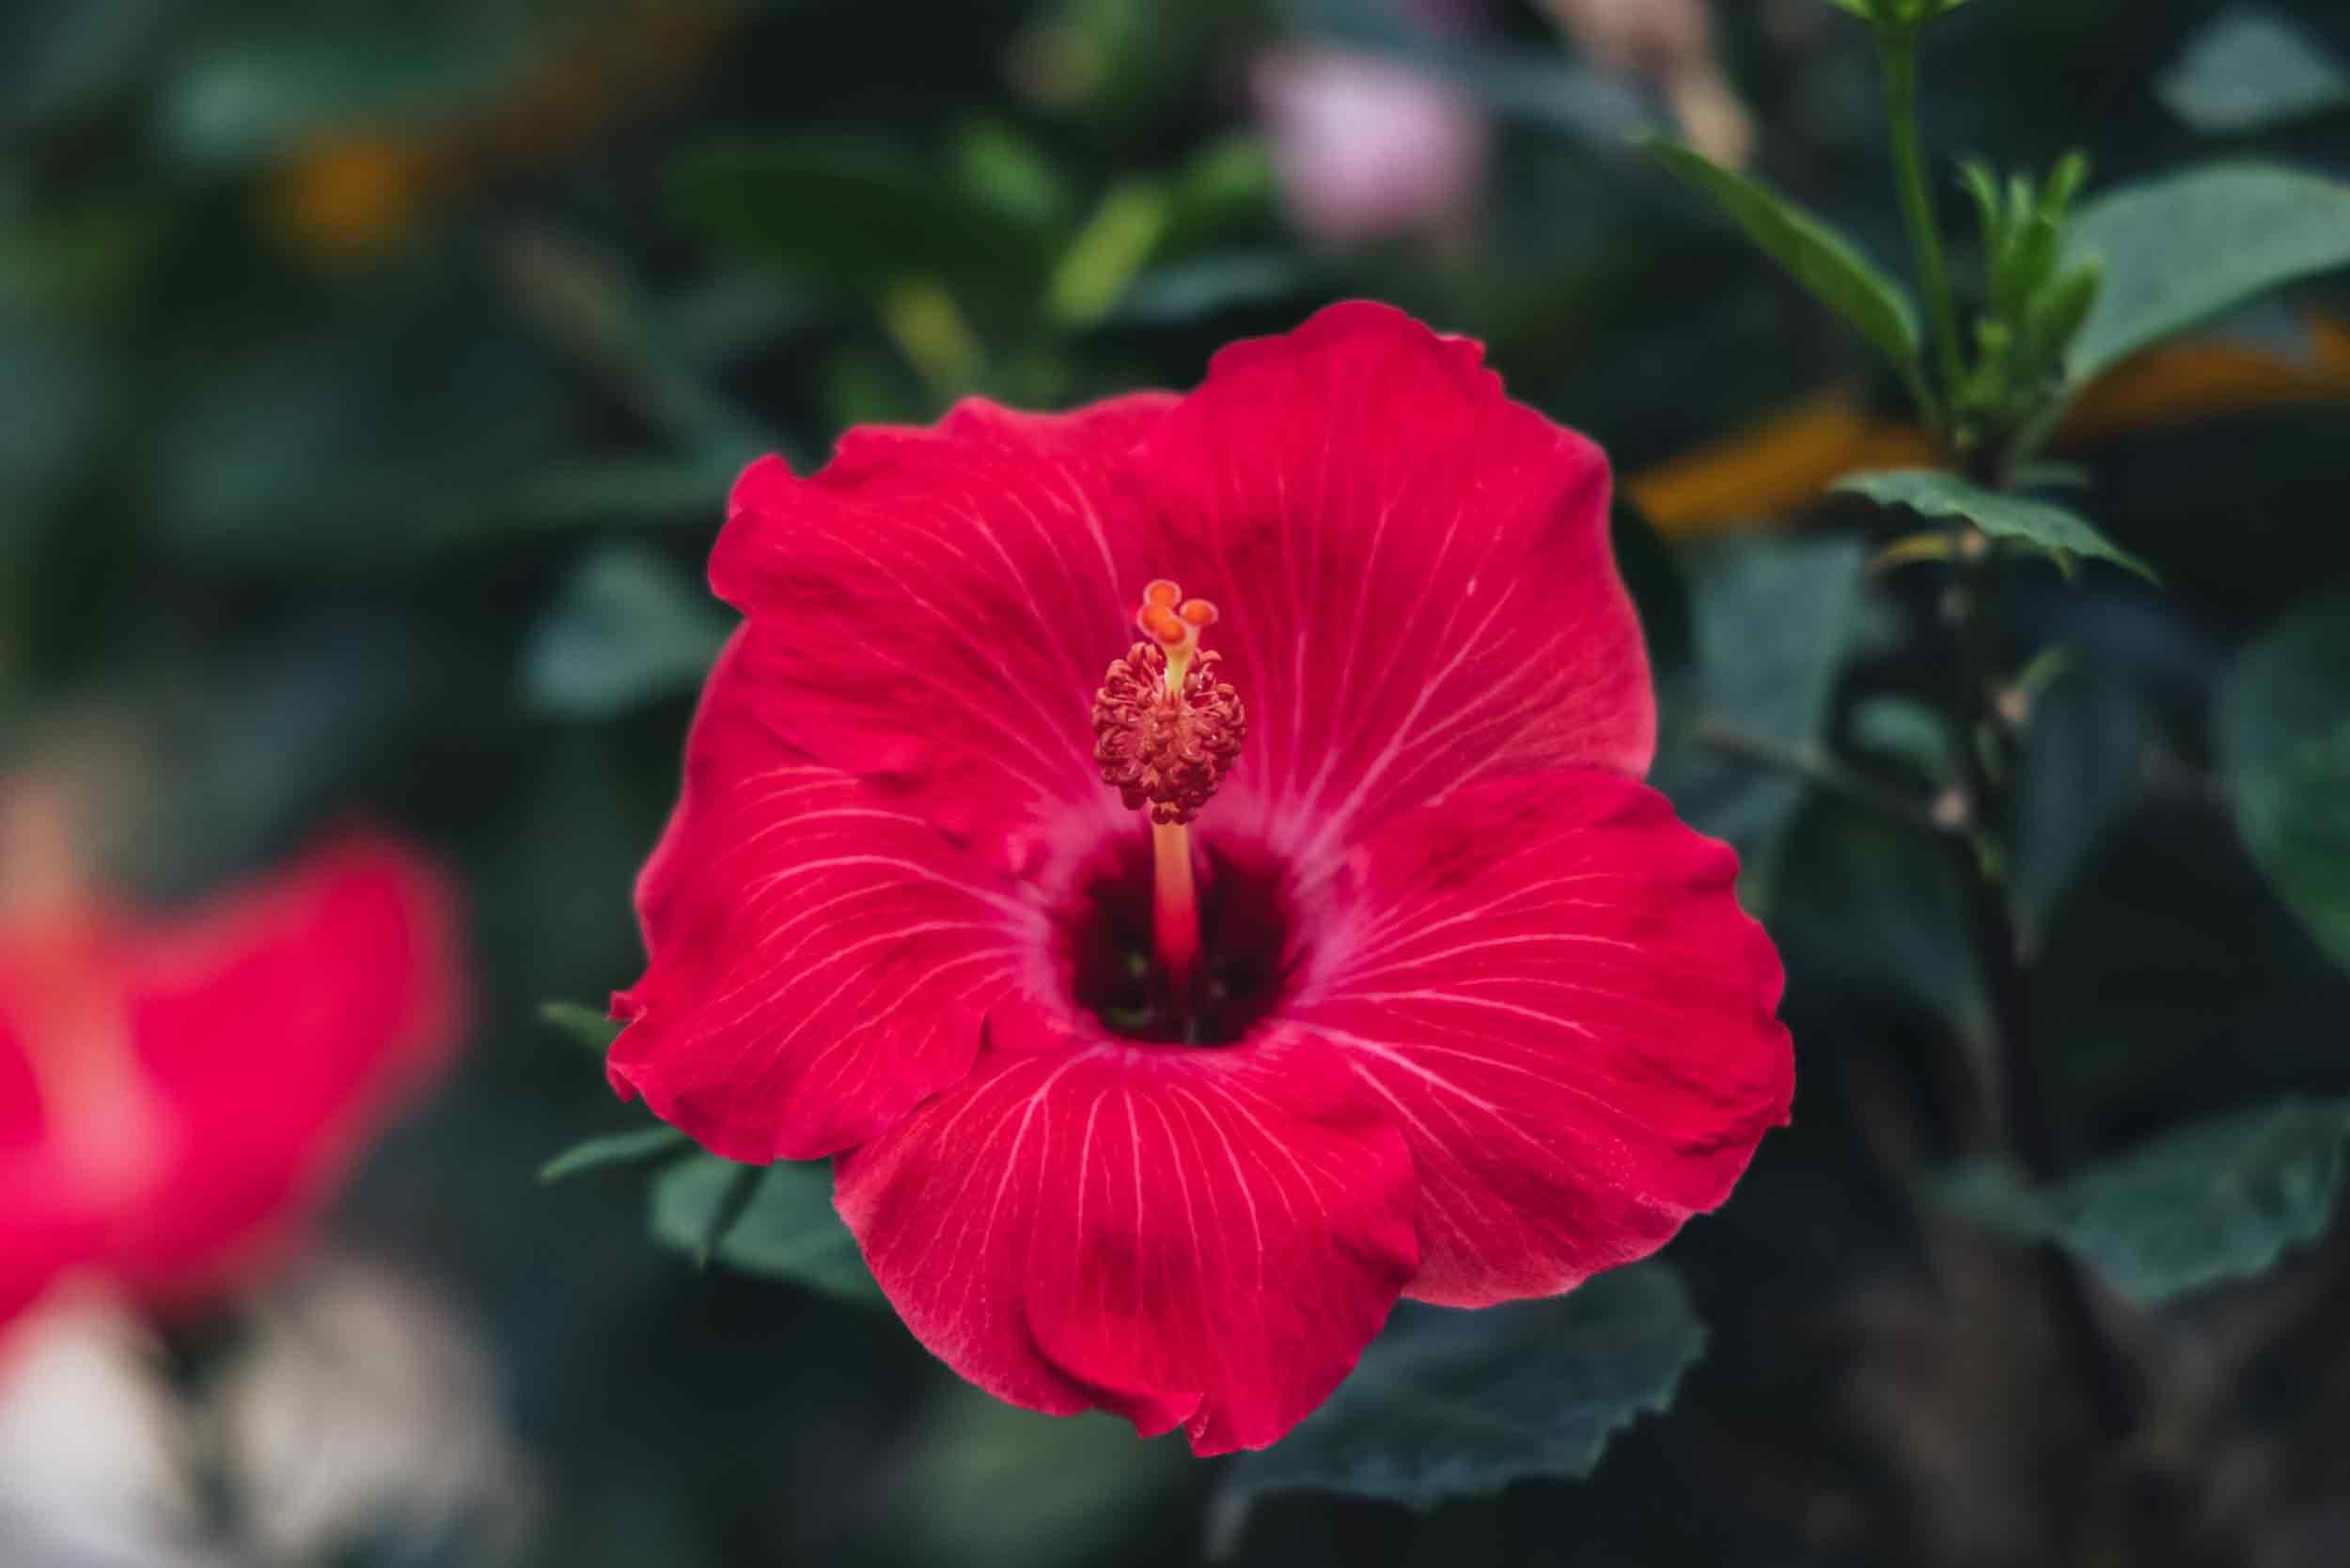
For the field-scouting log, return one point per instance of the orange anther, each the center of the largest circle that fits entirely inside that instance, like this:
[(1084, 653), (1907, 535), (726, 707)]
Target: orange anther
[(1197, 612), (1161, 593), (1162, 623)]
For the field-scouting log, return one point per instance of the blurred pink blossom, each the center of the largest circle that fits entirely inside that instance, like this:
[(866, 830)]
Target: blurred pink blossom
[(1367, 149)]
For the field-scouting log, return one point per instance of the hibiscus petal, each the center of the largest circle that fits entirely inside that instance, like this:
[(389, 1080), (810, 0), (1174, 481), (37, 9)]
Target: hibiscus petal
[(1549, 982), (1415, 574), (1198, 1236), (272, 1030), (822, 957), (936, 607)]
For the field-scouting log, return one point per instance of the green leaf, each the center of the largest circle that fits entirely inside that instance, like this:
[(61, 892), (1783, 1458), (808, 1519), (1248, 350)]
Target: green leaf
[(1774, 620), (2081, 768), (2284, 755), (586, 1025), (2252, 68), (1449, 1403), (855, 217), (626, 628), (2217, 1200), (2047, 527), (630, 1148), (1820, 259), (984, 1485), (2184, 248), (786, 1228), (1907, 730)]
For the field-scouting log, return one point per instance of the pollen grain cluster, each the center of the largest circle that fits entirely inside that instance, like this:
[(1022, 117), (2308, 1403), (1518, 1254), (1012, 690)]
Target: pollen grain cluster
[(1161, 747)]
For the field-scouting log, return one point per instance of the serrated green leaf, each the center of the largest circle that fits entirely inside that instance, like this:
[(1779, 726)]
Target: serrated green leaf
[(1814, 254), (785, 1229), (2043, 524), (1450, 1403), (627, 627), (2250, 68), (2284, 755), (586, 1025), (2184, 248), (2215, 1200), (630, 1148)]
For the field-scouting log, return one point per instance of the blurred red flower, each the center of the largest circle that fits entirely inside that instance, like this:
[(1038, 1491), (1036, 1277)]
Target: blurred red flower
[(1465, 1015), (176, 1092)]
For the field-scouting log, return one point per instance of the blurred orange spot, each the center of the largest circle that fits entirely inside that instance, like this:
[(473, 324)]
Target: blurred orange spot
[(1197, 612), (353, 197), (1161, 593), (1163, 624), (1750, 480)]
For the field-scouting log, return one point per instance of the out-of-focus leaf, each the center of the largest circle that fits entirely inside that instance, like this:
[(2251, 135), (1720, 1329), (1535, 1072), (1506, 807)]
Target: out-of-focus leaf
[(2285, 753), (853, 217), (1450, 1403), (2055, 531), (584, 1024), (1202, 287), (2219, 1199), (2250, 68), (1001, 168), (1906, 731), (1872, 906), (1105, 254), (1814, 254), (987, 1485), (627, 628), (786, 1231), (2082, 764), (56, 58), (613, 491), (1535, 87), (632, 1146), (2182, 249), (237, 97), (1774, 620), (1660, 591)]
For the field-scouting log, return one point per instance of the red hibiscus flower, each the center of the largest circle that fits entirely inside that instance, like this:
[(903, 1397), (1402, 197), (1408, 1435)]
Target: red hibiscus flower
[(174, 1093), (1406, 985)]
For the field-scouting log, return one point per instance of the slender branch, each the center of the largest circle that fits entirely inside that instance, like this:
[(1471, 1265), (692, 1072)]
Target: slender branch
[(2018, 1111), (1897, 47), (1816, 767)]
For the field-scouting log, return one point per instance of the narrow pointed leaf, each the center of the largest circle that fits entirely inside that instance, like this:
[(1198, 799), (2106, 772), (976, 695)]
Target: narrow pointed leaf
[(2058, 531), (1815, 255), (630, 1148), (586, 1025), (1451, 1404), (2215, 1200)]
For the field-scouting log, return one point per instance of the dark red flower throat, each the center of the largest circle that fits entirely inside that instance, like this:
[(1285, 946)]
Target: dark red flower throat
[(1251, 945)]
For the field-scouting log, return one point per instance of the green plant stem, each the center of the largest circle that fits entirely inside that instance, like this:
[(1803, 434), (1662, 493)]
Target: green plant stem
[(2017, 1110), (1897, 47)]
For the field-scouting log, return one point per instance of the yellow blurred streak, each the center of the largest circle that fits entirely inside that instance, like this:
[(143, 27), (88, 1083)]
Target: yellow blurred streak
[(1759, 477), (349, 195), (1754, 478)]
